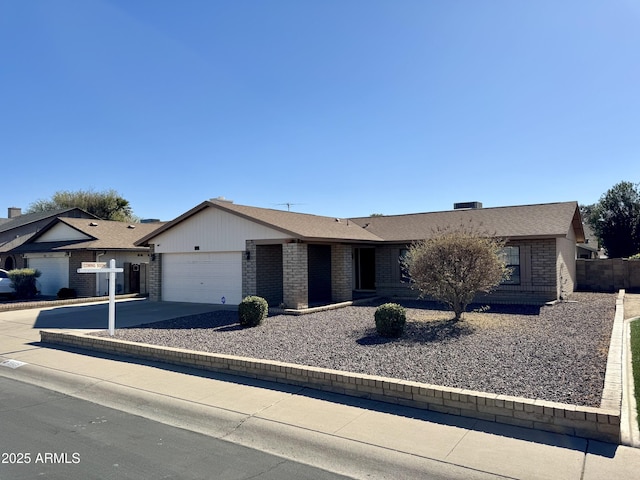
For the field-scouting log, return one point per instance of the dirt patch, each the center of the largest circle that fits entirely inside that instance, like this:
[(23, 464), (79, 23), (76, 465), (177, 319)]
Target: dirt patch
[(631, 305)]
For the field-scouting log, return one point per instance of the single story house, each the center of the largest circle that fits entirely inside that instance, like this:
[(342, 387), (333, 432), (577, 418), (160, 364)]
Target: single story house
[(18, 228), (60, 248), (219, 252)]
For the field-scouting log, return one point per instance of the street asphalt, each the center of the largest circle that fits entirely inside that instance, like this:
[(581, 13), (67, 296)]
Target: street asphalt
[(353, 437)]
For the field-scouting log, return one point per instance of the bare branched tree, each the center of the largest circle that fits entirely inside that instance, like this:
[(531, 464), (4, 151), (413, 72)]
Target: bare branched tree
[(456, 264)]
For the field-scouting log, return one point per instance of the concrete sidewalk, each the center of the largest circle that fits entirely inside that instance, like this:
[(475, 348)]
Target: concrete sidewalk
[(358, 438)]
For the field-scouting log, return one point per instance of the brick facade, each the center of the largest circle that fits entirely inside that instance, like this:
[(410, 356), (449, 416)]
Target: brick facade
[(84, 284), (538, 277), (249, 270), (543, 269), (154, 275), (388, 281), (341, 273), (281, 273), (270, 275), (295, 275)]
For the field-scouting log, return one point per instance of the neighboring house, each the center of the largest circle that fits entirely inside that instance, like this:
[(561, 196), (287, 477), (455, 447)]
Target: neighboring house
[(219, 252), (590, 247), (60, 247), (19, 228)]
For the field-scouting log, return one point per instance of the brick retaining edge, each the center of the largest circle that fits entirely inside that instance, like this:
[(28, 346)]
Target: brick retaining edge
[(587, 422)]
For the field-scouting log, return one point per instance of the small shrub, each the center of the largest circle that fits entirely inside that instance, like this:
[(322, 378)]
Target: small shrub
[(65, 292), (23, 282), (252, 310), (390, 319)]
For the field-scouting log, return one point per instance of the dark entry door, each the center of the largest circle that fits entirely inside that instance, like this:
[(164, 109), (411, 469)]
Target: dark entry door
[(134, 278), (365, 268), (319, 264)]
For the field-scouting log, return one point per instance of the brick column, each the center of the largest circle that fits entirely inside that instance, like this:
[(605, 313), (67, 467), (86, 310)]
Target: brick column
[(341, 273), (249, 269), (155, 275), (295, 275), (83, 283)]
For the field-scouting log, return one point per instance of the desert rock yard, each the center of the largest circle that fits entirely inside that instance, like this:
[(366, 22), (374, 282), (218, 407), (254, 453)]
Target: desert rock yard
[(556, 353)]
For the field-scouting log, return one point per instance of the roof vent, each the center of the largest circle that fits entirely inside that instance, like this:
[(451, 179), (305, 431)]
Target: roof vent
[(93, 224), (131, 226), (467, 205), (221, 199)]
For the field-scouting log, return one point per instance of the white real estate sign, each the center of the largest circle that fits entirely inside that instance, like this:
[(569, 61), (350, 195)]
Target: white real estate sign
[(101, 267), (93, 265)]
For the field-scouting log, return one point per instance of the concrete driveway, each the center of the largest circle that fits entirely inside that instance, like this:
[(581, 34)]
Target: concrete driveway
[(96, 315)]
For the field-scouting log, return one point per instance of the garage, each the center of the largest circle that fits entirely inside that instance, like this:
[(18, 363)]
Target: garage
[(202, 277), (54, 270)]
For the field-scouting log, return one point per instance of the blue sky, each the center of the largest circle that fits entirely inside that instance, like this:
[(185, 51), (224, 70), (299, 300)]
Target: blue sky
[(338, 107)]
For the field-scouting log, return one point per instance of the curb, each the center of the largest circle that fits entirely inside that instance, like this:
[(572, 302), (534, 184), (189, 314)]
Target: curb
[(341, 455)]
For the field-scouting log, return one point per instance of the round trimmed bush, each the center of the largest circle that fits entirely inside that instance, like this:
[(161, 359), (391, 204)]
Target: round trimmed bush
[(390, 319), (65, 293), (252, 310)]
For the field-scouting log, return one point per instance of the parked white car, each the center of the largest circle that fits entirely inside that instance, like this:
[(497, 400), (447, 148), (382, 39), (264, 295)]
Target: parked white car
[(5, 283)]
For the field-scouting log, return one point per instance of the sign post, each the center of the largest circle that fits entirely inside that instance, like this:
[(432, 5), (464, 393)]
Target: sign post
[(101, 267)]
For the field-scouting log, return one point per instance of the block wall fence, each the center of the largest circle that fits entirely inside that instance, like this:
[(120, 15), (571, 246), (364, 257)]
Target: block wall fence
[(608, 274)]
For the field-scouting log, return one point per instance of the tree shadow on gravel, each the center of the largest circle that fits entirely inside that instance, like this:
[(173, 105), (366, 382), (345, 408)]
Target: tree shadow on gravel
[(509, 309), (420, 332)]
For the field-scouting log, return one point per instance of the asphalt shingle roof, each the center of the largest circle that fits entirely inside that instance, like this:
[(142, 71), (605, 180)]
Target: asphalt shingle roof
[(104, 235), (26, 218), (301, 224), (544, 220)]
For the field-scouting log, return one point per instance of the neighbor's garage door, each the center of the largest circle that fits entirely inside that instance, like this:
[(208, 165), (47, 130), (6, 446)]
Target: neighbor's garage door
[(55, 273), (202, 277)]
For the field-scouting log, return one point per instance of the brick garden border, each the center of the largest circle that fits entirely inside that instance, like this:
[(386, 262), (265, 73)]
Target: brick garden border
[(588, 422)]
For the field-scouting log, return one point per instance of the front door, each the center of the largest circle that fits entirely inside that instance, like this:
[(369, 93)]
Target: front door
[(365, 268)]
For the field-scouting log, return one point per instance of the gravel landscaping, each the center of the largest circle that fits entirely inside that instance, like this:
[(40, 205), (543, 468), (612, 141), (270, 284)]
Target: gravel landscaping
[(556, 353)]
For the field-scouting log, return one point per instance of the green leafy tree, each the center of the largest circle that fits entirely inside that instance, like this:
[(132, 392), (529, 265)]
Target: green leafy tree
[(586, 210), (615, 219), (107, 205), (456, 264)]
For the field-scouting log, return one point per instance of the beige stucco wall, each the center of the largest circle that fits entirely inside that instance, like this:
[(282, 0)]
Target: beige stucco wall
[(566, 265)]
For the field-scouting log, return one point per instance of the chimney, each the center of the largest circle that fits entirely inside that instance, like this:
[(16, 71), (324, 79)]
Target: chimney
[(467, 205), (14, 212)]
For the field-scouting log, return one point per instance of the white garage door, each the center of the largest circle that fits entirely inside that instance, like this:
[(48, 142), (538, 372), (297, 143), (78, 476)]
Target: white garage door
[(202, 277), (55, 273)]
